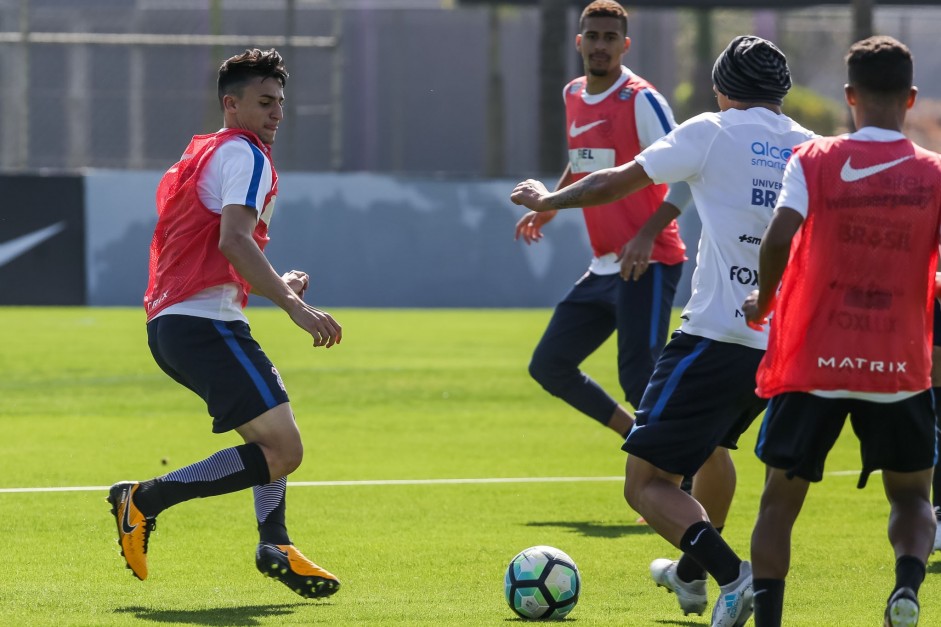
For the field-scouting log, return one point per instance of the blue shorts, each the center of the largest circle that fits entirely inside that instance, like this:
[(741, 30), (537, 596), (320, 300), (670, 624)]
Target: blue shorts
[(221, 362), (799, 430), (701, 395)]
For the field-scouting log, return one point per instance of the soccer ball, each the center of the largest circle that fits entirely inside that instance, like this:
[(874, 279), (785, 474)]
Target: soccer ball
[(542, 582)]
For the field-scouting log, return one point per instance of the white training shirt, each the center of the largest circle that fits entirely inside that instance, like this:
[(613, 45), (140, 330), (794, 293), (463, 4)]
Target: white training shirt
[(654, 119), (794, 195), (734, 162), (228, 179)]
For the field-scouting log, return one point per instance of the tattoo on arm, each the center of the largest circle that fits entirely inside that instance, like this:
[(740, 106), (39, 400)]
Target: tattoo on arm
[(575, 194)]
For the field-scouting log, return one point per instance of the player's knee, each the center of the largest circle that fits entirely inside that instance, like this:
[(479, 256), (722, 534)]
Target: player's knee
[(286, 459), (632, 492), (552, 376)]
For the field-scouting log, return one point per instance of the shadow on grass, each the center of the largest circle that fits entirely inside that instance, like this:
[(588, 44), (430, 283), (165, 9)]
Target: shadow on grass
[(676, 623), (245, 616), (597, 529), (934, 568)]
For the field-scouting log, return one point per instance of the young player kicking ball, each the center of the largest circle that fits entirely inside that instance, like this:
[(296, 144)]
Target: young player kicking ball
[(701, 396), (854, 245)]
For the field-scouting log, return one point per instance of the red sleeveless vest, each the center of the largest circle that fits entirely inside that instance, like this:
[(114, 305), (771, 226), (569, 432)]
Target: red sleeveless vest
[(606, 132), (855, 308), (184, 252)]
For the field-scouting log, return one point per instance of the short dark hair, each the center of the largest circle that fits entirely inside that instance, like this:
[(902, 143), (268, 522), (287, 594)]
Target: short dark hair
[(236, 71), (604, 8), (881, 66)]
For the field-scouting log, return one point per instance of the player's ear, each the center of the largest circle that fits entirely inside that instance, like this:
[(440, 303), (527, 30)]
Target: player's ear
[(627, 44), (911, 98), (229, 103), (849, 92), (578, 43)]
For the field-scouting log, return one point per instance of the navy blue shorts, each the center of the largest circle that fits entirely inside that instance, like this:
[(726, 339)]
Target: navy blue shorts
[(799, 430), (701, 395), (221, 362)]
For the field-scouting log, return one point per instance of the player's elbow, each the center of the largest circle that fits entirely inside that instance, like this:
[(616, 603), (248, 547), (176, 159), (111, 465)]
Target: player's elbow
[(232, 244)]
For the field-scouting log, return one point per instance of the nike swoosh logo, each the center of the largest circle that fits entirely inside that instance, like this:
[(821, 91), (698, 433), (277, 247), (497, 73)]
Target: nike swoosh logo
[(126, 525), (696, 539), (849, 174), (18, 246), (575, 131)]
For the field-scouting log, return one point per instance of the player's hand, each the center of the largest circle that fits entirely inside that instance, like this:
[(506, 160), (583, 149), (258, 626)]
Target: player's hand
[(322, 327), (298, 281), (754, 317), (529, 193), (530, 225), (635, 257)]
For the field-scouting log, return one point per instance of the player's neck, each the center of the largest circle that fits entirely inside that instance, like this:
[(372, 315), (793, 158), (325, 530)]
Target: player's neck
[(889, 121), (600, 84)]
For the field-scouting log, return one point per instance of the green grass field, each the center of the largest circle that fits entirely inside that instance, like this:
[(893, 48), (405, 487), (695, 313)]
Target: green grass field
[(408, 395)]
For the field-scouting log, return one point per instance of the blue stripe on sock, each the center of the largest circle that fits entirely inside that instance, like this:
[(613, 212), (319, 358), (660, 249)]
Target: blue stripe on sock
[(655, 309), (675, 377), (661, 114), (247, 364)]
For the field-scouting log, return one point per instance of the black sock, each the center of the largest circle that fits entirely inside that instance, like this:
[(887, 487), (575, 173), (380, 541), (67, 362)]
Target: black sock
[(688, 569), (227, 471), (909, 572), (704, 544), (769, 602), (269, 510)]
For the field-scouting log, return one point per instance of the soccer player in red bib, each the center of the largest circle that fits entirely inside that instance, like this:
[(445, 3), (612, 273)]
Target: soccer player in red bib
[(611, 115), (853, 244), (213, 211)]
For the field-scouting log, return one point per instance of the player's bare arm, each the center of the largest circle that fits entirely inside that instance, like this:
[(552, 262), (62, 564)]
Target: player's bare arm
[(635, 256), (773, 255), (598, 188), (238, 246)]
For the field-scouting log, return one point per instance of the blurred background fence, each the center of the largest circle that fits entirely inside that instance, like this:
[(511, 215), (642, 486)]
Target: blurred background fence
[(398, 86), (407, 124)]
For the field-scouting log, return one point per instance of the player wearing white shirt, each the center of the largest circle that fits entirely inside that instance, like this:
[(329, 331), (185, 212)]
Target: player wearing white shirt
[(733, 162), (701, 395)]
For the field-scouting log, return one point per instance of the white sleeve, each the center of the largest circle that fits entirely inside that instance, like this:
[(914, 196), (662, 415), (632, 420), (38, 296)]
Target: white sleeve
[(238, 174), (653, 117), (678, 156), (794, 188)]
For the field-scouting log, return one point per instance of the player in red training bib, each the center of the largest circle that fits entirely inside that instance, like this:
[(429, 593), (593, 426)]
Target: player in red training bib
[(611, 115), (854, 245), (207, 253)]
